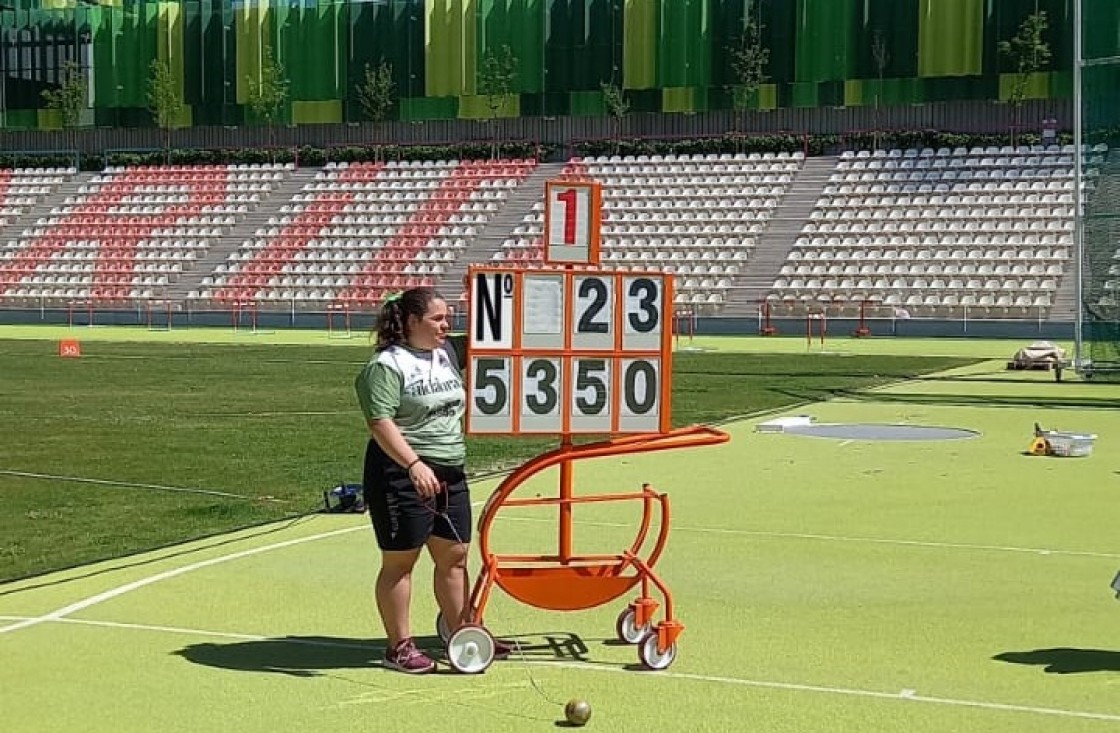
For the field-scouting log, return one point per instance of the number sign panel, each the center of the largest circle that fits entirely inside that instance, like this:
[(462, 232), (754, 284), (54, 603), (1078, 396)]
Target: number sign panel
[(643, 325), (594, 312), (641, 394), (542, 382), (492, 310), (542, 312), (591, 404), (568, 351), (572, 212), (490, 392)]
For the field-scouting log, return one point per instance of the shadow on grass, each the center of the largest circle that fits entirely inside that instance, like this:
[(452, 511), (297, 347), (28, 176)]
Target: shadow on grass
[(299, 656), (308, 656), (1065, 660), (330, 656)]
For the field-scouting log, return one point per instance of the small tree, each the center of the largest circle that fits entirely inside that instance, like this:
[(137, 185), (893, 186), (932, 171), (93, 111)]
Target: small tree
[(375, 93), (69, 98), (749, 59), (882, 57), (269, 93), (1028, 53), (164, 100), (614, 99), (497, 80)]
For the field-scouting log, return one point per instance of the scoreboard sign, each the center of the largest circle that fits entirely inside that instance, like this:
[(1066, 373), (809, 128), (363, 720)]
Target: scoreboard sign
[(569, 351), (572, 212)]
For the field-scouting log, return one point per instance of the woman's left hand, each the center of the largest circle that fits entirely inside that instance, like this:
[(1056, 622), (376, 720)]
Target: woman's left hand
[(424, 479)]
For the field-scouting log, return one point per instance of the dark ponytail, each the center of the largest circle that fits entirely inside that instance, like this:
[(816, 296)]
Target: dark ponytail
[(392, 321)]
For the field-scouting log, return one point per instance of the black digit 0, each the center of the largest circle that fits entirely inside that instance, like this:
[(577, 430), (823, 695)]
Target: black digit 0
[(643, 403), (597, 290), (646, 291), (544, 401)]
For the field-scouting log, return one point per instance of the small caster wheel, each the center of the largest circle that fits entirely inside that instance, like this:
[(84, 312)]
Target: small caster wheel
[(470, 649), (627, 628), (442, 628), (653, 659)]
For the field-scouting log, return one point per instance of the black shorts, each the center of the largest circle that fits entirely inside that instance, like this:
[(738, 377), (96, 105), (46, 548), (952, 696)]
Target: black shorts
[(402, 519)]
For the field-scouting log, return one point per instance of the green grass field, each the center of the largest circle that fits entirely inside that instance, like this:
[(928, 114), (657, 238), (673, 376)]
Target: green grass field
[(276, 421), (826, 586)]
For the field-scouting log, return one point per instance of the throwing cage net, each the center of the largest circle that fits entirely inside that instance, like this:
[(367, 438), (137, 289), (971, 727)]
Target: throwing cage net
[(1097, 111)]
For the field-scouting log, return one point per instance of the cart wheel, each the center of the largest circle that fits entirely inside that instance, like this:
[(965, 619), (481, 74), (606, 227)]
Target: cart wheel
[(442, 628), (627, 628), (470, 649), (653, 659)]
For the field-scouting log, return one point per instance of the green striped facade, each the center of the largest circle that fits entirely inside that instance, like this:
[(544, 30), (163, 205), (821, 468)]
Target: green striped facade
[(669, 55)]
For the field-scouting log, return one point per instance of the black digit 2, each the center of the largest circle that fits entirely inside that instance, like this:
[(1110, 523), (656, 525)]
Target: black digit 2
[(597, 290)]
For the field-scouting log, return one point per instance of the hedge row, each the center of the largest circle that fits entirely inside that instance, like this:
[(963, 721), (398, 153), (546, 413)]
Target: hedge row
[(730, 143)]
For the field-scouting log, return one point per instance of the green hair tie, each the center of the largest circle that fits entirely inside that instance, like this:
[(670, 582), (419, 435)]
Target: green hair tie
[(391, 298)]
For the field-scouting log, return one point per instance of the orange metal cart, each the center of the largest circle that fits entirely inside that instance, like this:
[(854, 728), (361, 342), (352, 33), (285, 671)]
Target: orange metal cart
[(567, 580)]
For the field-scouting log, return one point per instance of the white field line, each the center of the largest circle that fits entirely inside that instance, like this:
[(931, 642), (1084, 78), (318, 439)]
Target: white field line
[(842, 538), (197, 632), (173, 573), (907, 695), (158, 357), (123, 484)]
